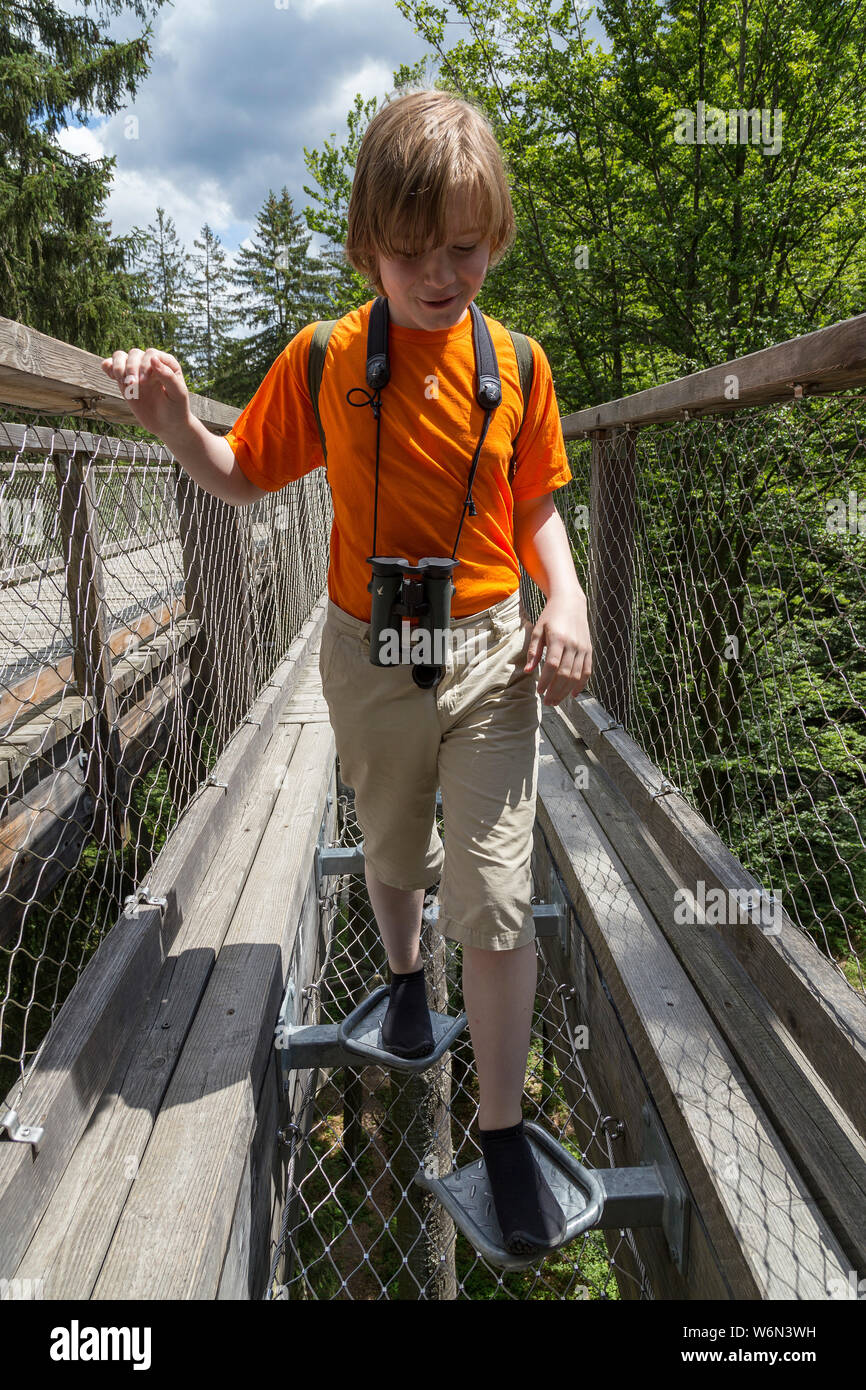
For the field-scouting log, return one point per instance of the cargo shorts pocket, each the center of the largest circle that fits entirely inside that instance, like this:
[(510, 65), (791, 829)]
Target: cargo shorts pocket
[(338, 648)]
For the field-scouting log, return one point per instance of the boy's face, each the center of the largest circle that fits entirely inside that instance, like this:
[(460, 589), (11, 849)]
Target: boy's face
[(453, 273)]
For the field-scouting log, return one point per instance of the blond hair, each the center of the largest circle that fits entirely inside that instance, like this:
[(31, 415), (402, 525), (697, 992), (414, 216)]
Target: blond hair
[(418, 152)]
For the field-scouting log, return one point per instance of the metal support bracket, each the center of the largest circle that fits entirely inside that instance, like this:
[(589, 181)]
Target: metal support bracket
[(676, 1207), (142, 897), (22, 1134)]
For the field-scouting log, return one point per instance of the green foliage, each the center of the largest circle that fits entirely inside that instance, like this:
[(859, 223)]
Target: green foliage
[(210, 315), (698, 252), (332, 168), (59, 270)]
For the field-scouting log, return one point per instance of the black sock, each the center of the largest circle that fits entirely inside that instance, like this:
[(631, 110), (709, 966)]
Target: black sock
[(529, 1214), (407, 1029)]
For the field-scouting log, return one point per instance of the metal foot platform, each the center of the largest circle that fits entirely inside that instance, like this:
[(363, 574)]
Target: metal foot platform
[(466, 1195), (358, 1036), (361, 1033), (651, 1194)]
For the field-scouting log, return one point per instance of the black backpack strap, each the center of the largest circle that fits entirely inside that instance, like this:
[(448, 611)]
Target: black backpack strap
[(378, 366), (318, 348), (526, 368), (488, 389)]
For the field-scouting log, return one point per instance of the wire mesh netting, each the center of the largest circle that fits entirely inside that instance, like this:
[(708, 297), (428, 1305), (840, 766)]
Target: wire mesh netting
[(725, 562), (139, 618), (355, 1224)]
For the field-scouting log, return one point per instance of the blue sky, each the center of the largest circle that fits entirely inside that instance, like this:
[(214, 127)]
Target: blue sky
[(237, 88)]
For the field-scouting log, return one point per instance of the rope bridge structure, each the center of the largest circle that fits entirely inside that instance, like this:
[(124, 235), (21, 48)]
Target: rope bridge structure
[(195, 1100)]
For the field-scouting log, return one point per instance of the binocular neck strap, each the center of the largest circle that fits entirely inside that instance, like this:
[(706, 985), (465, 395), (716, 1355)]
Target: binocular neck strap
[(469, 500), (374, 399)]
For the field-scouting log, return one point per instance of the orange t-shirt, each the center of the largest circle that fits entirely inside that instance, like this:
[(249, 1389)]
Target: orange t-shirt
[(430, 423)]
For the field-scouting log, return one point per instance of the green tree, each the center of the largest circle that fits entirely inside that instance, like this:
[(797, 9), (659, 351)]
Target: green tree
[(282, 288), (690, 193), (332, 168), (641, 255), (210, 314), (60, 271), (163, 265)]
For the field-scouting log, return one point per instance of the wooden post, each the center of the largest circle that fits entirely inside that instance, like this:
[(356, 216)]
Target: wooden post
[(611, 568), (218, 595), (107, 780)]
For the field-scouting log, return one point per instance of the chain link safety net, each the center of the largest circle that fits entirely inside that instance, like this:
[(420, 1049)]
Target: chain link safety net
[(139, 618), (725, 566), (355, 1224)]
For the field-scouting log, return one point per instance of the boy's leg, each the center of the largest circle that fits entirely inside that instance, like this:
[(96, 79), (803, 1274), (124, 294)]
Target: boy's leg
[(398, 916), (488, 774), (499, 993), (407, 1028)]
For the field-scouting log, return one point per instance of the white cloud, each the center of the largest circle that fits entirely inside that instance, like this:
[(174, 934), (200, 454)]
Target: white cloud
[(135, 195)]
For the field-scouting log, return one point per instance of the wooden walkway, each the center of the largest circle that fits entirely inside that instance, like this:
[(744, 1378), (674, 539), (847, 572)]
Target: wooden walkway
[(168, 1183), (173, 1181)]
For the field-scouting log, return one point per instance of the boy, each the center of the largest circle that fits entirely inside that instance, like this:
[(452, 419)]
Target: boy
[(430, 211)]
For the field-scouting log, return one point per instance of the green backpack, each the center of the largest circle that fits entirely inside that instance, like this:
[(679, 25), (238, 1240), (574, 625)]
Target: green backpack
[(319, 346)]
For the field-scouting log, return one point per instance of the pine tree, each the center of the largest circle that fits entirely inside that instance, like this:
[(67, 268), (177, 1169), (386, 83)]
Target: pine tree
[(60, 270), (210, 314), (163, 264), (282, 288)]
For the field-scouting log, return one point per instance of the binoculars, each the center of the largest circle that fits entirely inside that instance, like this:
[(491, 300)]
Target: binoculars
[(400, 590)]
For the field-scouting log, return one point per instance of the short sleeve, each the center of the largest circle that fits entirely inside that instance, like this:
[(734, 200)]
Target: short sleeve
[(275, 438), (540, 460)]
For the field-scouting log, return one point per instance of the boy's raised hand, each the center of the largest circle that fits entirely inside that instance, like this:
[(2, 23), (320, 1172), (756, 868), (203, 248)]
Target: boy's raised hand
[(152, 381)]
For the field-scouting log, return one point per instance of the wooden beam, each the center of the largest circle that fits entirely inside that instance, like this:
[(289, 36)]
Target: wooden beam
[(45, 373), (43, 441), (764, 1225), (612, 513), (816, 1131), (63, 1086), (75, 1233), (824, 1015), (172, 1238), (829, 360)]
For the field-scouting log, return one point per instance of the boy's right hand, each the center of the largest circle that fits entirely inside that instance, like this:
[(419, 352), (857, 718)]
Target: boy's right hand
[(152, 382)]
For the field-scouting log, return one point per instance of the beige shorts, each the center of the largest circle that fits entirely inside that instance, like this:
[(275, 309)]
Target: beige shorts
[(476, 736)]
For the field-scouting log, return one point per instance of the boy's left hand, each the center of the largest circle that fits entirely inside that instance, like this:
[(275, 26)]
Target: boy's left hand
[(562, 628)]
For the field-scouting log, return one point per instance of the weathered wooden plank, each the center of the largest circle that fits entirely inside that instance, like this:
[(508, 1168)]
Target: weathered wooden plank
[(70, 1244), (85, 591), (36, 734), (818, 1134), (37, 370), (39, 839), (824, 1015), (198, 1151), (65, 1083), (258, 1210), (609, 1067), (42, 440), (769, 1236), (829, 360), (62, 1090), (40, 688)]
